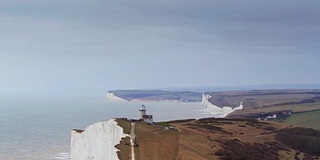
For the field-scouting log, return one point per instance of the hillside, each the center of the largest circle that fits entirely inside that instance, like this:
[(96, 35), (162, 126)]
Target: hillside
[(305, 119), (157, 95), (267, 101), (226, 139)]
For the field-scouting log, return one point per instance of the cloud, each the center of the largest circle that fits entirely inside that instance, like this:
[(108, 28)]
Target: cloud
[(158, 43), (210, 24)]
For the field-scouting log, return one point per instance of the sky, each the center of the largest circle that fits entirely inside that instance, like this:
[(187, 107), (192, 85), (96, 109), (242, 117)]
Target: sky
[(141, 44)]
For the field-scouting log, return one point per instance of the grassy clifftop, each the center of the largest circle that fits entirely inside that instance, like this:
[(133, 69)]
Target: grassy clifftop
[(226, 139)]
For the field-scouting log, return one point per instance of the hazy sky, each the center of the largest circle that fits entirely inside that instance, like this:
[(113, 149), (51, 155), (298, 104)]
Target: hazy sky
[(130, 44)]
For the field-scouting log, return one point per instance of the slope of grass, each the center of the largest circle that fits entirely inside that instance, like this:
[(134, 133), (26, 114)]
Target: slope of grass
[(303, 139), (124, 148), (306, 119)]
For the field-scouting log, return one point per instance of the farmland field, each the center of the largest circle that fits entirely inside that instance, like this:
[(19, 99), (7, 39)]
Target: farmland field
[(306, 119)]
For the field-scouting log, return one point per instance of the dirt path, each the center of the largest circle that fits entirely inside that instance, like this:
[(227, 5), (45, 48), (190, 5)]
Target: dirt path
[(132, 140)]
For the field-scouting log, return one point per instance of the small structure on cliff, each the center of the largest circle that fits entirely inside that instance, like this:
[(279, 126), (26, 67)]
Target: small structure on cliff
[(144, 117)]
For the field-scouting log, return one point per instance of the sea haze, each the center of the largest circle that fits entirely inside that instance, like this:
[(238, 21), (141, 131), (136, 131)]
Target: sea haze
[(37, 126)]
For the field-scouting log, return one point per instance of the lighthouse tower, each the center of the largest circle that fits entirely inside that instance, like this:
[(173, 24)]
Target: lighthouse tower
[(144, 117), (143, 111)]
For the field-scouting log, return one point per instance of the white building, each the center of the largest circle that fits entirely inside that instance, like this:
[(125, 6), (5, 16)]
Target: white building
[(144, 117)]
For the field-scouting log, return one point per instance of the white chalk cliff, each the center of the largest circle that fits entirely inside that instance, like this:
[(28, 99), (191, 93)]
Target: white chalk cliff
[(96, 142), (112, 97), (213, 109)]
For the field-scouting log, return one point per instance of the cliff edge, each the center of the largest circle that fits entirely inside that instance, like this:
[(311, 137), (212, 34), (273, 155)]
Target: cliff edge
[(96, 142), (112, 97), (214, 109)]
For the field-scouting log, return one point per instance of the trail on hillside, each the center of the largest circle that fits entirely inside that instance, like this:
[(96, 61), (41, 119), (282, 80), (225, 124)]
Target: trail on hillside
[(132, 140)]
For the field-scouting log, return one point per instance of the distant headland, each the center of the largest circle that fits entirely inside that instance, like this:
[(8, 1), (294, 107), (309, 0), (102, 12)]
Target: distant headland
[(153, 95)]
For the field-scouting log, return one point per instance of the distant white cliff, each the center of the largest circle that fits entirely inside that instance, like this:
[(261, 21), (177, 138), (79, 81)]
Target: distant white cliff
[(213, 109), (96, 142), (112, 97), (154, 100)]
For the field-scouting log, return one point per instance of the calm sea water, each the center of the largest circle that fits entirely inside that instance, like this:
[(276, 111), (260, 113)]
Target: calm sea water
[(38, 127)]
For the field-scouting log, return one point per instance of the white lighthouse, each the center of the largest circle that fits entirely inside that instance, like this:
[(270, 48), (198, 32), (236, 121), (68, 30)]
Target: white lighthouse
[(144, 117), (143, 111)]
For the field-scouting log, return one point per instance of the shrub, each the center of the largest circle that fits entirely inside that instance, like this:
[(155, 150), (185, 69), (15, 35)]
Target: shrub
[(303, 139)]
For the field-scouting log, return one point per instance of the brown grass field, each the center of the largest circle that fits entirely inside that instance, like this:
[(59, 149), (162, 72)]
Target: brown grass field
[(210, 139)]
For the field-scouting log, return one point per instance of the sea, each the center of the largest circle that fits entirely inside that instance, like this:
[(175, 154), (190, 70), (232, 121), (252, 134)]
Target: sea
[(37, 126)]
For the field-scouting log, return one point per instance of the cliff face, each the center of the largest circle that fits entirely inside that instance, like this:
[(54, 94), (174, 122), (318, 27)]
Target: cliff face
[(96, 142), (214, 109), (112, 97)]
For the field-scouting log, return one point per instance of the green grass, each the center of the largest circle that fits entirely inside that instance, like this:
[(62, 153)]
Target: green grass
[(125, 150), (125, 124), (306, 119)]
